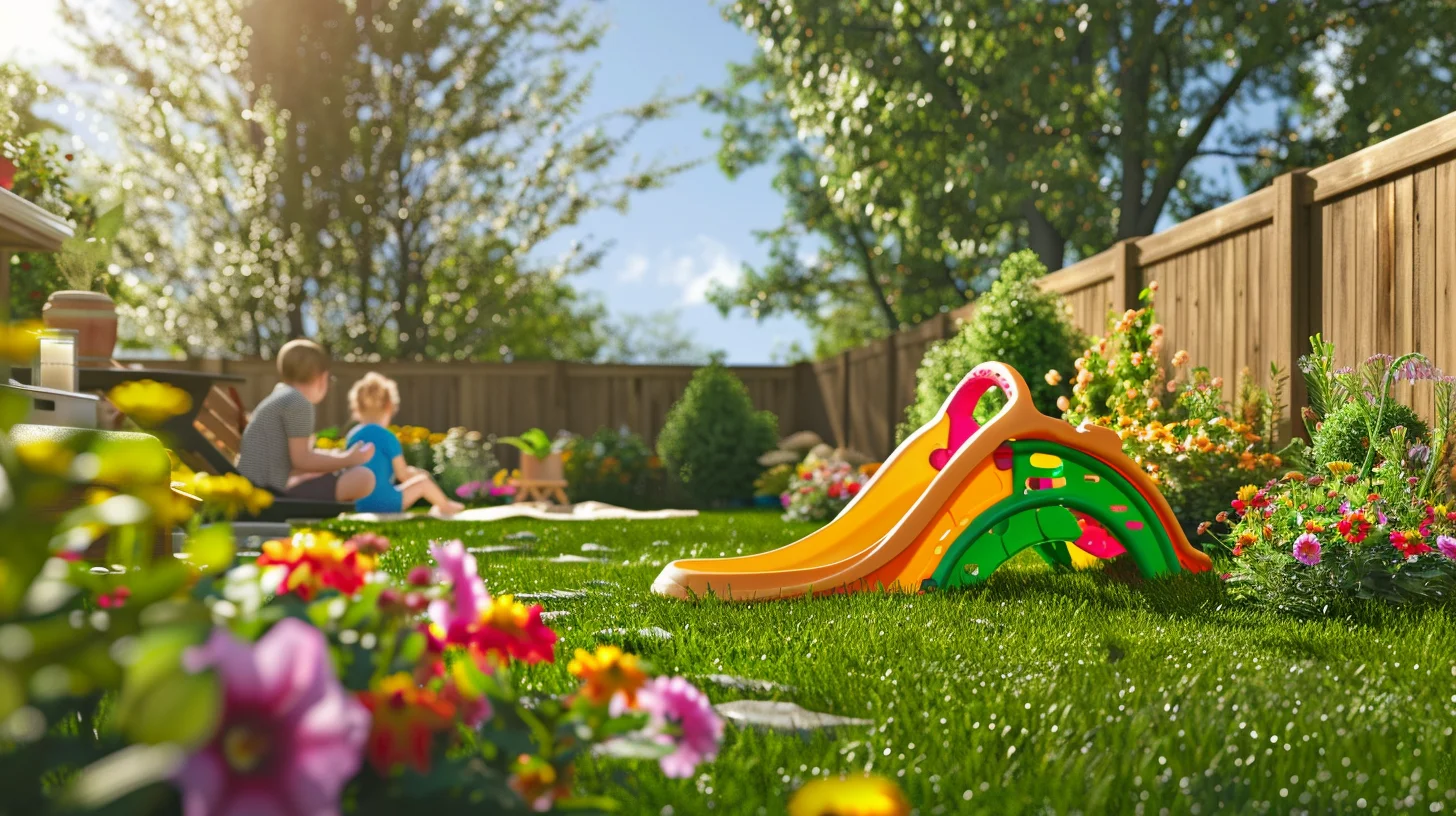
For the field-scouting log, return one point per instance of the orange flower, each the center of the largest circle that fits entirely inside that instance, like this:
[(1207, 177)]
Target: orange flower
[(1180, 358), (406, 720), (537, 782), (607, 672), (1053, 377)]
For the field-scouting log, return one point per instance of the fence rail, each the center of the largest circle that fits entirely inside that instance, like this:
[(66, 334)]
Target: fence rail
[(1362, 249)]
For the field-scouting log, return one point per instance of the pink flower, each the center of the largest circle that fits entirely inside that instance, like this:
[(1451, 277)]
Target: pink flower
[(289, 736), (1307, 549), (1447, 545), (469, 598), (681, 716)]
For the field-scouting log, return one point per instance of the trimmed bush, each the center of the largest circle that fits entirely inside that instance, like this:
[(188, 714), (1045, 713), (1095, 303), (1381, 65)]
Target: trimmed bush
[(713, 437), (1015, 323), (1343, 437)]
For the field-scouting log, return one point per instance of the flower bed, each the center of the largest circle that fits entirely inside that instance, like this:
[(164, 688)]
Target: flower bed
[(1334, 530), (820, 490)]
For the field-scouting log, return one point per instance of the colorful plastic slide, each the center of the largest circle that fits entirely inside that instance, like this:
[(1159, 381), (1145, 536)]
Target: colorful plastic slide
[(956, 500)]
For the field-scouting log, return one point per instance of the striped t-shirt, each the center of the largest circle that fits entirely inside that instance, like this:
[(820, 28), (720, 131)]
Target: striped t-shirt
[(264, 458)]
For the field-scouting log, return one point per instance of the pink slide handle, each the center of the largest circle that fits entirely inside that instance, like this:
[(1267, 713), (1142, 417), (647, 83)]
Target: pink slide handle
[(960, 409)]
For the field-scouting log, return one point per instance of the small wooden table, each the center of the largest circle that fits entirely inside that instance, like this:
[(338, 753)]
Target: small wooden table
[(181, 431), (546, 490)]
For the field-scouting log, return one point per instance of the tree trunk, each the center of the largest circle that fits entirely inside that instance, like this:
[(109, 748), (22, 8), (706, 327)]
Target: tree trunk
[(1044, 239), (1134, 83), (892, 320)]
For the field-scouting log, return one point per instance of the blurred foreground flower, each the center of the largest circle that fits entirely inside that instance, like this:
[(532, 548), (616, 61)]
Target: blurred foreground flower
[(149, 403), (315, 561), (19, 342), (607, 672), (406, 720), (681, 716), (290, 736), (537, 782), (853, 796), (227, 495)]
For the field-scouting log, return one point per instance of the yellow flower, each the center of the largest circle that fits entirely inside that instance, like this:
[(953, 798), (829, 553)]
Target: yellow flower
[(149, 403), (1247, 493), (853, 796), (19, 342), (46, 456), (606, 672), (436, 438), (229, 494), (1180, 358), (1340, 468)]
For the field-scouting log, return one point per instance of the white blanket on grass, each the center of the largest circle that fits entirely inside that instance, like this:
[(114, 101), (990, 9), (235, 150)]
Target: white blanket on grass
[(542, 511)]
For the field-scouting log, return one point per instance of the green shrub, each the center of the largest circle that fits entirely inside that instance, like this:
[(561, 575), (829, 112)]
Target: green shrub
[(1015, 323), (1343, 435), (712, 438), (615, 467)]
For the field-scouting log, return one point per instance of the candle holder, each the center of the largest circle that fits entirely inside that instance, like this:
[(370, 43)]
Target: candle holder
[(55, 360)]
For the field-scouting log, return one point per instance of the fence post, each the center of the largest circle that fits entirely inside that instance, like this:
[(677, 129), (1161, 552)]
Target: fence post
[(845, 399), (1127, 275), (1296, 285), (892, 382)]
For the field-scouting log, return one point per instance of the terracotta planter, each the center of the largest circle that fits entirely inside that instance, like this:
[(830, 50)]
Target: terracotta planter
[(92, 315), (534, 469)]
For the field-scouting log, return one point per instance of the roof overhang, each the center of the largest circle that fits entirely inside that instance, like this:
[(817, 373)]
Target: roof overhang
[(25, 227)]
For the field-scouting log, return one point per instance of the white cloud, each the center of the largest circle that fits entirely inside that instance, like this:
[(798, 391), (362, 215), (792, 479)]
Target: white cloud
[(636, 268), (692, 271), (696, 272)]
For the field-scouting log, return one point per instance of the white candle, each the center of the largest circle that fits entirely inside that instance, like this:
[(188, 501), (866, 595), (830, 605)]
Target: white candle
[(57, 364)]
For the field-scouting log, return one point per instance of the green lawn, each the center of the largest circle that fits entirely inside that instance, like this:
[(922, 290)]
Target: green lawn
[(1038, 693)]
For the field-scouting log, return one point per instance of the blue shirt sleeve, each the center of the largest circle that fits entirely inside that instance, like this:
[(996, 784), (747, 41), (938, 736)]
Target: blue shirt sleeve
[(390, 444)]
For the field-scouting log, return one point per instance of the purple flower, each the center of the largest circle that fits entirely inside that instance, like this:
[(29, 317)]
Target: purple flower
[(1447, 545), (1344, 507), (679, 715), (289, 736), (1419, 454), (468, 491), (1307, 549)]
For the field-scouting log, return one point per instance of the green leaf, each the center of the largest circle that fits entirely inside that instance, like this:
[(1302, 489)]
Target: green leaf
[(364, 606), (211, 549), (109, 223), (160, 701), (123, 772)]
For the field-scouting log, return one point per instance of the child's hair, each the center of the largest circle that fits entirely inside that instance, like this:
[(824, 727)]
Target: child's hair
[(373, 394), (301, 361)]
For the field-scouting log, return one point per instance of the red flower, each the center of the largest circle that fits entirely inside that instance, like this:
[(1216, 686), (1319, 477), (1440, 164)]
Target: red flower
[(853, 488), (835, 490), (406, 719), (1354, 526), (1409, 543), (510, 629), (316, 561)]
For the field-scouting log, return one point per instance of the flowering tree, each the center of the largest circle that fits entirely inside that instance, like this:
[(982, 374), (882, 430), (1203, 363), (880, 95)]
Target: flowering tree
[(376, 174)]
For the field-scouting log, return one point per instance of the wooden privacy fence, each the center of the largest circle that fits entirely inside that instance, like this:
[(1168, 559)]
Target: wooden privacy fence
[(1362, 249)]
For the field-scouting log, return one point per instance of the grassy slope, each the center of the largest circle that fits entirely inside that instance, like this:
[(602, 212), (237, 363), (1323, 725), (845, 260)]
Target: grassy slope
[(1037, 693)]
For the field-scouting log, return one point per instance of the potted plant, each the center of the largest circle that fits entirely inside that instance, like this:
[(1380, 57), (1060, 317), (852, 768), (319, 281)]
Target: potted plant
[(91, 313), (540, 457)]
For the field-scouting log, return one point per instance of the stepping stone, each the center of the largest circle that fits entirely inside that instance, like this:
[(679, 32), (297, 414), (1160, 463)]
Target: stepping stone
[(597, 582), (747, 684), (662, 543), (594, 547), (496, 548), (782, 716), (554, 614), (524, 535), (249, 553), (571, 558), (651, 632), (552, 595)]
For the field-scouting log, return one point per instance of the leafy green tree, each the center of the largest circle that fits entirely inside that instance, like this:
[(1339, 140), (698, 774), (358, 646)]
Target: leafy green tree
[(952, 131), (656, 339), (378, 175)]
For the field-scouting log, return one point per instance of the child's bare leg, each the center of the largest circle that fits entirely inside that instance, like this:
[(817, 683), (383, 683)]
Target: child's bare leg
[(421, 486)]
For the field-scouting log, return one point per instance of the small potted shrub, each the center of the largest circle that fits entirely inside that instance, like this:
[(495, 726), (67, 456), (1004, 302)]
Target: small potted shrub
[(540, 457), (91, 313)]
